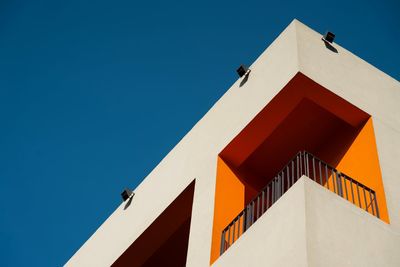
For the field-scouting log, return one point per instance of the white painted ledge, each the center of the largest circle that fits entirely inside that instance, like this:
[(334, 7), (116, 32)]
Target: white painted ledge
[(311, 226)]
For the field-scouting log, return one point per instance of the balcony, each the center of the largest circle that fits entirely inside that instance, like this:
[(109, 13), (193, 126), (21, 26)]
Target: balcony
[(303, 163), (302, 117)]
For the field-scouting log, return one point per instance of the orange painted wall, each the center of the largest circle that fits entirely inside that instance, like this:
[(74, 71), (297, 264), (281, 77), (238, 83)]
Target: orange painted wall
[(229, 201), (275, 112), (346, 141), (361, 162)]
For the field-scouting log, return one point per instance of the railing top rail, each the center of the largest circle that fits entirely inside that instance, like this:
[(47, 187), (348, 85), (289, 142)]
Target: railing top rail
[(303, 163), (302, 152), (335, 170), (234, 220)]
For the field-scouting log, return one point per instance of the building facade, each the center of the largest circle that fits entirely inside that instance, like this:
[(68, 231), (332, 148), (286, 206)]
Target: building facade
[(296, 165)]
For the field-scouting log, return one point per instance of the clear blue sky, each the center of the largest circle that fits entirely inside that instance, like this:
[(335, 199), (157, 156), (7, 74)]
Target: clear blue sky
[(93, 94)]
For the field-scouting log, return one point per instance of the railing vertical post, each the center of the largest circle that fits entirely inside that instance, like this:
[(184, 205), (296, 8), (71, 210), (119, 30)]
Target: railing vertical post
[(333, 180), (320, 173), (252, 212), (262, 202), (345, 187), (326, 176), (301, 165), (371, 203), (273, 191), (339, 183), (313, 165), (283, 183), (293, 172), (365, 199), (233, 232), (278, 187), (358, 196), (238, 227), (248, 216), (376, 205), (352, 194), (288, 176), (222, 249), (244, 220), (229, 236)]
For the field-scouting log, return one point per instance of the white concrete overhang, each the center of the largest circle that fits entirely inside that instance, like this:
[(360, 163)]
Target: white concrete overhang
[(312, 226)]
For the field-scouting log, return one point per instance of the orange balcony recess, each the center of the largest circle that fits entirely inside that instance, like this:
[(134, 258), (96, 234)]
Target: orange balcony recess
[(303, 116), (319, 171)]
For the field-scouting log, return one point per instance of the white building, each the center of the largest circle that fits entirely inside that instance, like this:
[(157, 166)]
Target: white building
[(296, 165)]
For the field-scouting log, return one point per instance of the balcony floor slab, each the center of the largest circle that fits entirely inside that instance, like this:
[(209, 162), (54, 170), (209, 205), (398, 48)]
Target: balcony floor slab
[(311, 226)]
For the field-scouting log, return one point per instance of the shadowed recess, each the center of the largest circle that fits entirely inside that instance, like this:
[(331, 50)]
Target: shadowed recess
[(302, 116), (165, 241)]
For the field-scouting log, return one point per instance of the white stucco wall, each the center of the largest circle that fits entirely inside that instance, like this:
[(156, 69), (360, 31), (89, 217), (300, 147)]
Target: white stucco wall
[(194, 157), (298, 48), (341, 234), (277, 238), (366, 87), (312, 226)]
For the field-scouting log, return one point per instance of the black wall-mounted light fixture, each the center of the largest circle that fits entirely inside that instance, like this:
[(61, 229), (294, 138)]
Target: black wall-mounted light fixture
[(328, 37), (242, 70), (127, 194)]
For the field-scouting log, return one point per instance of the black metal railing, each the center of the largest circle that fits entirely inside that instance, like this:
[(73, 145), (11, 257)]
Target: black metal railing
[(319, 171)]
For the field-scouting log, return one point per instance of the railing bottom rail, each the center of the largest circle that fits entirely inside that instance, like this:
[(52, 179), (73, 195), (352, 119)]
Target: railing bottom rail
[(304, 163)]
